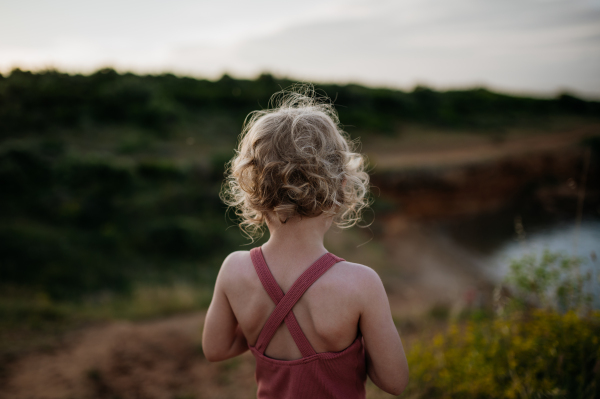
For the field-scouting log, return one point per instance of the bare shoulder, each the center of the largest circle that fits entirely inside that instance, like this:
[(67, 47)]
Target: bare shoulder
[(359, 279), (236, 266), (359, 270), (236, 259)]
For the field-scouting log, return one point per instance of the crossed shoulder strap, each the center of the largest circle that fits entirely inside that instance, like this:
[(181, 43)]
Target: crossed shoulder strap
[(285, 303)]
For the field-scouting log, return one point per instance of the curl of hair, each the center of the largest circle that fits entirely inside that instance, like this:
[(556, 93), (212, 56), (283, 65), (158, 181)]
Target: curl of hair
[(294, 159)]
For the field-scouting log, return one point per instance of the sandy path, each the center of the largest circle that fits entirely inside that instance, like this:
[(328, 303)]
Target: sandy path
[(402, 154), (155, 360)]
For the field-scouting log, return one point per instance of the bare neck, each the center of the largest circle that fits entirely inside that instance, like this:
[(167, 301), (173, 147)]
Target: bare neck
[(296, 243)]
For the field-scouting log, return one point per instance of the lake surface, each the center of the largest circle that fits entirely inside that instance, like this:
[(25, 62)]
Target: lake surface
[(583, 242), (495, 239), (566, 238)]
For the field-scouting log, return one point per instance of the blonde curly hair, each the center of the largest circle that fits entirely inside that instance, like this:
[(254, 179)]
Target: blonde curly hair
[(294, 159)]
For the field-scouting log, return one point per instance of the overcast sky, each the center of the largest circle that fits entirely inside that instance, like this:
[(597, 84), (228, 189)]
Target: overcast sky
[(529, 46)]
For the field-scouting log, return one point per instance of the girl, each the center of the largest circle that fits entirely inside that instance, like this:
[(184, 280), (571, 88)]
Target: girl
[(316, 324)]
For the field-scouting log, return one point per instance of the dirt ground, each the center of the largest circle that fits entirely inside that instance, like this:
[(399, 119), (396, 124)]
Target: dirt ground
[(423, 149), (154, 359)]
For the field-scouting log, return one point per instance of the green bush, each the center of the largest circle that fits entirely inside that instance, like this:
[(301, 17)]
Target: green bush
[(544, 341), (73, 226), (50, 100), (541, 354), (551, 280)]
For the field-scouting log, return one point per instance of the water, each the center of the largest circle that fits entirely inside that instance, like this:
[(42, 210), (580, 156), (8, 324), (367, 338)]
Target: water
[(582, 242), (565, 238)]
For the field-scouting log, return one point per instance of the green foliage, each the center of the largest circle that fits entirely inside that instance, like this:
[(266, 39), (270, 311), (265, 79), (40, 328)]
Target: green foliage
[(543, 341), (545, 354), (73, 226), (552, 280), (42, 102)]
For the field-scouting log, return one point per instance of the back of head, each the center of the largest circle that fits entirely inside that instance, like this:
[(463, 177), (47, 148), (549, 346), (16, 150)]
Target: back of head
[(294, 160)]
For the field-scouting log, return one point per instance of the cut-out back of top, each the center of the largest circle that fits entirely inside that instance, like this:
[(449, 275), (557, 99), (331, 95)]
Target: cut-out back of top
[(315, 375)]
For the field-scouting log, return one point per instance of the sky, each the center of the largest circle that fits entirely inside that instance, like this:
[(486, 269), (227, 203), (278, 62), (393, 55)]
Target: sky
[(538, 47)]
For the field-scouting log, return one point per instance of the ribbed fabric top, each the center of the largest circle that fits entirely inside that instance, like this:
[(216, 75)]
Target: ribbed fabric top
[(315, 375)]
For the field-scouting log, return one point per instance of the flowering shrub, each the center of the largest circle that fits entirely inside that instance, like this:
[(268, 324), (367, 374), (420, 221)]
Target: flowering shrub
[(542, 354), (537, 351)]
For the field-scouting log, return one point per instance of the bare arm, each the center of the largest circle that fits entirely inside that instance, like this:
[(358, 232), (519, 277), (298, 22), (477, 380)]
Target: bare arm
[(222, 337), (386, 361)]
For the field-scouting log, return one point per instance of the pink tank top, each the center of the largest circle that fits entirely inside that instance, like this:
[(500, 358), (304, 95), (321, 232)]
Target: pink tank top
[(316, 375)]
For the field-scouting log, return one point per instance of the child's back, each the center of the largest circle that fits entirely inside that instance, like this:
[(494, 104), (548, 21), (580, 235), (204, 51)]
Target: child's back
[(328, 312)]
